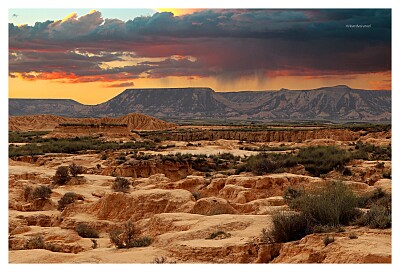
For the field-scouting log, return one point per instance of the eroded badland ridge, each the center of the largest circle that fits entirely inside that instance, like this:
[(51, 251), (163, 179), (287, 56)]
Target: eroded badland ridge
[(135, 189), (337, 103)]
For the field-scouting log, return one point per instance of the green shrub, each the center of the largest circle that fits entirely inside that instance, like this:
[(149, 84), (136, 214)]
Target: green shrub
[(66, 199), (52, 247), (75, 169), (36, 242), (290, 193), (40, 192), (287, 227), (140, 242), (62, 175), (322, 159), (347, 172), (372, 152), (26, 136), (378, 217), (86, 231), (117, 239), (376, 197), (333, 204), (68, 145), (387, 175), (267, 163), (120, 185), (128, 237)]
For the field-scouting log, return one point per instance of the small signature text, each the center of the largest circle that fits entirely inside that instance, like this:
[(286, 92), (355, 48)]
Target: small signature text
[(358, 26)]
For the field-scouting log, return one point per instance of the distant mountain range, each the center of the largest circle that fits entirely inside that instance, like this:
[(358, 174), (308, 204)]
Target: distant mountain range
[(337, 103)]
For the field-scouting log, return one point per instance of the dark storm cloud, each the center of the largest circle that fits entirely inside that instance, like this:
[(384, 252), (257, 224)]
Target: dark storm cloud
[(175, 67), (221, 42)]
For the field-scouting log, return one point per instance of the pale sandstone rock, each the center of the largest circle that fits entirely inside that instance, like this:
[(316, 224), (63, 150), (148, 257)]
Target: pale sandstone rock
[(213, 206), (20, 229), (371, 246), (385, 184), (99, 193), (359, 186), (190, 183), (140, 204), (231, 192)]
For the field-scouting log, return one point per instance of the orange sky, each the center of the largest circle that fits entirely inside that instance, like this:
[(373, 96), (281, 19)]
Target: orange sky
[(97, 92)]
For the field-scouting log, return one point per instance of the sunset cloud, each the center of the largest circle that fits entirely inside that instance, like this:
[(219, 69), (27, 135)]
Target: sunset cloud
[(225, 44)]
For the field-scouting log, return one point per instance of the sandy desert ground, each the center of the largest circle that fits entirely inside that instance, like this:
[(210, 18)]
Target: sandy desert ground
[(192, 214)]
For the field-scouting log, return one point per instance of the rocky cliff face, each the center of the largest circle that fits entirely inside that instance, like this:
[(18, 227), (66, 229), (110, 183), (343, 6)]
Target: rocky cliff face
[(144, 169), (264, 136), (165, 102), (330, 103), (338, 103)]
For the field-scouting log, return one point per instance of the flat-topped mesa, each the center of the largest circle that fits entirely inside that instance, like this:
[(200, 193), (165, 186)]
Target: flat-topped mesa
[(334, 104), (183, 89)]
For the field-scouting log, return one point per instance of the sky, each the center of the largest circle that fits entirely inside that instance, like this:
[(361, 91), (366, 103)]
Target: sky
[(91, 55)]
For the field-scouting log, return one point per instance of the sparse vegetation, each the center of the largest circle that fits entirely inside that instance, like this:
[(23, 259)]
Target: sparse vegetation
[(36, 242), (378, 217), (52, 247), (319, 210), (128, 237), (320, 160), (92, 125), (333, 204), (121, 185), (26, 136), (372, 152), (66, 199), (326, 210), (317, 160), (62, 175), (376, 197), (74, 145), (40, 192), (287, 226), (347, 172), (267, 163), (387, 175), (291, 193), (86, 231), (75, 169)]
